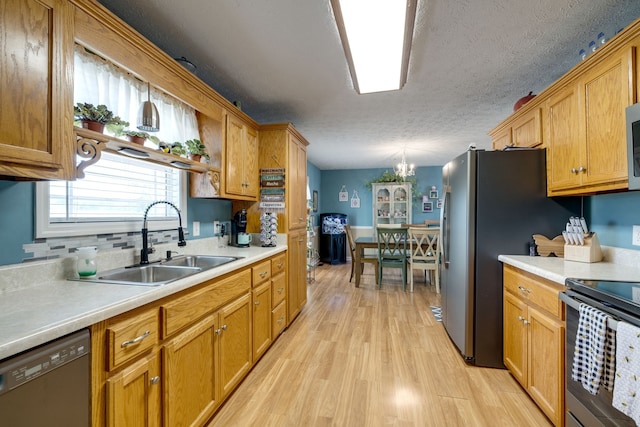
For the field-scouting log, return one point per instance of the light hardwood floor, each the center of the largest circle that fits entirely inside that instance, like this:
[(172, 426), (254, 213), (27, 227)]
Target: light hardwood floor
[(369, 357)]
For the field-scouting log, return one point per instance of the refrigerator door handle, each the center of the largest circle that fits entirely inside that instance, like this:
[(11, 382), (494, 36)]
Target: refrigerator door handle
[(444, 230)]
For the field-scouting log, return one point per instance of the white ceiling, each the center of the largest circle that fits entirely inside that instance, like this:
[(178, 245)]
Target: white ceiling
[(470, 62)]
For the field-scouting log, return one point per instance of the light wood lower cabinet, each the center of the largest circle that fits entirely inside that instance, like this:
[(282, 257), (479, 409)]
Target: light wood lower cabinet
[(534, 339), (189, 367), (174, 361), (133, 395), (297, 290)]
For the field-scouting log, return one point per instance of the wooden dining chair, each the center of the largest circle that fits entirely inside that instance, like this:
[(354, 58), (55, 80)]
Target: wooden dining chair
[(424, 254), (364, 259), (392, 251)]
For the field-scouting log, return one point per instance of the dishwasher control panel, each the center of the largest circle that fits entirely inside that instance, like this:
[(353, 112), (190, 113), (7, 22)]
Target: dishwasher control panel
[(31, 364)]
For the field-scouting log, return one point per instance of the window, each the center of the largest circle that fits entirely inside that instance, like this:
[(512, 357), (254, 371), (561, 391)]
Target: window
[(116, 190)]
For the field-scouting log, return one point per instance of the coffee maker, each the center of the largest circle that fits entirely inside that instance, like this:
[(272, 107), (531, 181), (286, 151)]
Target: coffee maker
[(239, 236)]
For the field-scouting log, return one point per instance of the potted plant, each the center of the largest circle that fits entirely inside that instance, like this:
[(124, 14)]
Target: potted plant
[(196, 150), (96, 117), (178, 149), (137, 137)]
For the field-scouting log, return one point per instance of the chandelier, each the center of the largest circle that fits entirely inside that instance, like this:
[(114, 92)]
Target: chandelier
[(403, 169)]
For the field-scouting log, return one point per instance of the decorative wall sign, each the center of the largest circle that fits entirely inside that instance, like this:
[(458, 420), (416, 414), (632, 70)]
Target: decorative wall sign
[(343, 195), (272, 189), (355, 200)]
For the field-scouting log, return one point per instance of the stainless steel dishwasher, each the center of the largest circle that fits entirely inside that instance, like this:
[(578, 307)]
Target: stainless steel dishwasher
[(48, 385)]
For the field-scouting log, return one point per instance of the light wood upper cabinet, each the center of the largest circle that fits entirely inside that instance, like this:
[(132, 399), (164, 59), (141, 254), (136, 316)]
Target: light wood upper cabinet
[(525, 130), (36, 83), (586, 129), (241, 170), (297, 194)]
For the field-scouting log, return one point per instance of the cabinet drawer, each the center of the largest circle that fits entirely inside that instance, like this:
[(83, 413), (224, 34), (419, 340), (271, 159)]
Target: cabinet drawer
[(533, 289), (131, 336), (278, 264), (278, 289), (278, 319), (184, 310), (261, 272)]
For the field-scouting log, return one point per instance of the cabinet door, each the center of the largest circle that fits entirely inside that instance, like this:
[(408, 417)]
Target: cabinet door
[(133, 395), (527, 130), (562, 138), (211, 129), (605, 92), (261, 320), (515, 337), (36, 83), (297, 173), (189, 362), (235, 343), (234, 178), (501, 139), (250, 168), (545, 376), (297, 277)]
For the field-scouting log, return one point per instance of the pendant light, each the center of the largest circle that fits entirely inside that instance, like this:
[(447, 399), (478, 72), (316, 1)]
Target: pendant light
[(148, 117)]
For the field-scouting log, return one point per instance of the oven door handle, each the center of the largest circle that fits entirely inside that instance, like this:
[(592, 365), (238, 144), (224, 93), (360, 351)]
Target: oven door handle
[(614, 315)]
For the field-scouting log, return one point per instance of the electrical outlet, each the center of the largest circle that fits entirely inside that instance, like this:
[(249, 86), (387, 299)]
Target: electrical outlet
[(635, 241), (216, 228), (196, 228)]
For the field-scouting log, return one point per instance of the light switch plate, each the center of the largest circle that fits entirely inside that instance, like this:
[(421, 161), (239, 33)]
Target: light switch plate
[(636, 235), (635, 293), (196, 228)]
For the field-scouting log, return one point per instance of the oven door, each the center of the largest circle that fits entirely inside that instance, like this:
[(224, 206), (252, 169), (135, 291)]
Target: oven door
[(583, 408)]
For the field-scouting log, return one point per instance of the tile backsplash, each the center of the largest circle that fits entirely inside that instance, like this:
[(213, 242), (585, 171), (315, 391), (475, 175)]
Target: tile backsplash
[(52, 248)]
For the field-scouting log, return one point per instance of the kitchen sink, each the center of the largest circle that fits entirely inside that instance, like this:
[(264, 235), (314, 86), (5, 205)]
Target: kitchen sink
[(201, 261), (161, 273), (145, 275)]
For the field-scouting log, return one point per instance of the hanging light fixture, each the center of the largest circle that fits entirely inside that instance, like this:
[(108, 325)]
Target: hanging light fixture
[(403, 169), (148, 117)]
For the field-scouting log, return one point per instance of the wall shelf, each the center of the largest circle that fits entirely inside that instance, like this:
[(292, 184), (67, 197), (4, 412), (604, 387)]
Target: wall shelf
[(90, 144)]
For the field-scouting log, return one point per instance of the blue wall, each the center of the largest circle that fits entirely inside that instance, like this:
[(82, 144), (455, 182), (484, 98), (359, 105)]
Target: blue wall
[(333, 180), (612, 216)]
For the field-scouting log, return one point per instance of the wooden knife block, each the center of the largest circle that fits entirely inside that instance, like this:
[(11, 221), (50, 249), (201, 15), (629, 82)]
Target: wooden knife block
[(590, 252)]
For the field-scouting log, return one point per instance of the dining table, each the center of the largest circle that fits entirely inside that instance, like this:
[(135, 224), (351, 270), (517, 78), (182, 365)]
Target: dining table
[(362, 243)]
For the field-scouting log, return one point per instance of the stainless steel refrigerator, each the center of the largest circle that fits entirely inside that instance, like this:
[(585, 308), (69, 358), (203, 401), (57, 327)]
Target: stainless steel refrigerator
[(494, 201)]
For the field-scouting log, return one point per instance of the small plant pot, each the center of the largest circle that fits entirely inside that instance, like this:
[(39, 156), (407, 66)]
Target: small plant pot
[(94, 126), (195, 157), (136, 139)]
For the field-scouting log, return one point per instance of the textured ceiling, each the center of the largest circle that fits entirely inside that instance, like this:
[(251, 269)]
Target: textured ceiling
[(471, 61)]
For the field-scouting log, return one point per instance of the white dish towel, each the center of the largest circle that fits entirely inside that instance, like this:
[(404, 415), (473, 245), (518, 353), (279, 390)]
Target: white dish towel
[(589, 357), (627, 382)]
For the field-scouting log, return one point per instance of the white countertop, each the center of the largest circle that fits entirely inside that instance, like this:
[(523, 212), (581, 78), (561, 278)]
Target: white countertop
[(36, 307), (558, 269)]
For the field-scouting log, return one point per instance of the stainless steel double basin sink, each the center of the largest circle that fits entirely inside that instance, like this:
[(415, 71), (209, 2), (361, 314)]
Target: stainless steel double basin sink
[(161, 273)]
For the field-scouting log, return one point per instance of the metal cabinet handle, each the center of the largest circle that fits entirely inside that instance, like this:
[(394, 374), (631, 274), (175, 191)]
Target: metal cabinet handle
[(136, 340), (264, 274), (280, 264), (281, 319), (224, 327), (280, 290), (520, 318), (525, 290), (155, 380), (257, 303), (218, 331), (574, 170), (525, 322), (582, 169)]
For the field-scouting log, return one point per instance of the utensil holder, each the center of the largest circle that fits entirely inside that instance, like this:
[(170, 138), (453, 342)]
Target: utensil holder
[(589, 252)]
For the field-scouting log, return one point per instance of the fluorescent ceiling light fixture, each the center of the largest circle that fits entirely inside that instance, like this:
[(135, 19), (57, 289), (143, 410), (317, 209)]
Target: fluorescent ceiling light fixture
[(376, 37)]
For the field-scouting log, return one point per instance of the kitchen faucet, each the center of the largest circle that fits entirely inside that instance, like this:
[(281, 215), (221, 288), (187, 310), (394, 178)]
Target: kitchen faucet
[(146, 250)]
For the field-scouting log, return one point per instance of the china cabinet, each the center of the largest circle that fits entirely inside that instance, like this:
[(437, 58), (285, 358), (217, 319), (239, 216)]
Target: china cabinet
[(391, 203)]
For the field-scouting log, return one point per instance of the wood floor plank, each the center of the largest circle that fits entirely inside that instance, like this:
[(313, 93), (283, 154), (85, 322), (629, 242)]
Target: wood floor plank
[(372, 357)]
